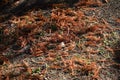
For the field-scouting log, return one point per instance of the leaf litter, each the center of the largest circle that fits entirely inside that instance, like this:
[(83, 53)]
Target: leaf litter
[(66, 41)]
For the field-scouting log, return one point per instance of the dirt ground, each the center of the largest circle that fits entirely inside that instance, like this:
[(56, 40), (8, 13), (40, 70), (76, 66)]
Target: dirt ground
[(104, 64)]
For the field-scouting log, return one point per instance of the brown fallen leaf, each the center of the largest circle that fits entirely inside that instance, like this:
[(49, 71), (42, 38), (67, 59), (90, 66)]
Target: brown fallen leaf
[(26, 65)]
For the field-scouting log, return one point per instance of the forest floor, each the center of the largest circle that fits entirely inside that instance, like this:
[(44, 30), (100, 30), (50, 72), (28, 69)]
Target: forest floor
[(61, 43)]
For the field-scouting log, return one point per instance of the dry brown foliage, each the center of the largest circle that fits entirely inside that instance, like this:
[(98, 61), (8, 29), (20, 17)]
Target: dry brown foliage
[(57, 38)]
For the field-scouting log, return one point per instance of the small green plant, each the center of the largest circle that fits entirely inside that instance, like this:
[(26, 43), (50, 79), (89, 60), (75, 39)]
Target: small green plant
[(36, 70), (112, 39), (101, 50), (104, 52)]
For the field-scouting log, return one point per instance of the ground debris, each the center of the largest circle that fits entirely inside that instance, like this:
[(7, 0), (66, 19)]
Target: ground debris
[(64, 41)]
